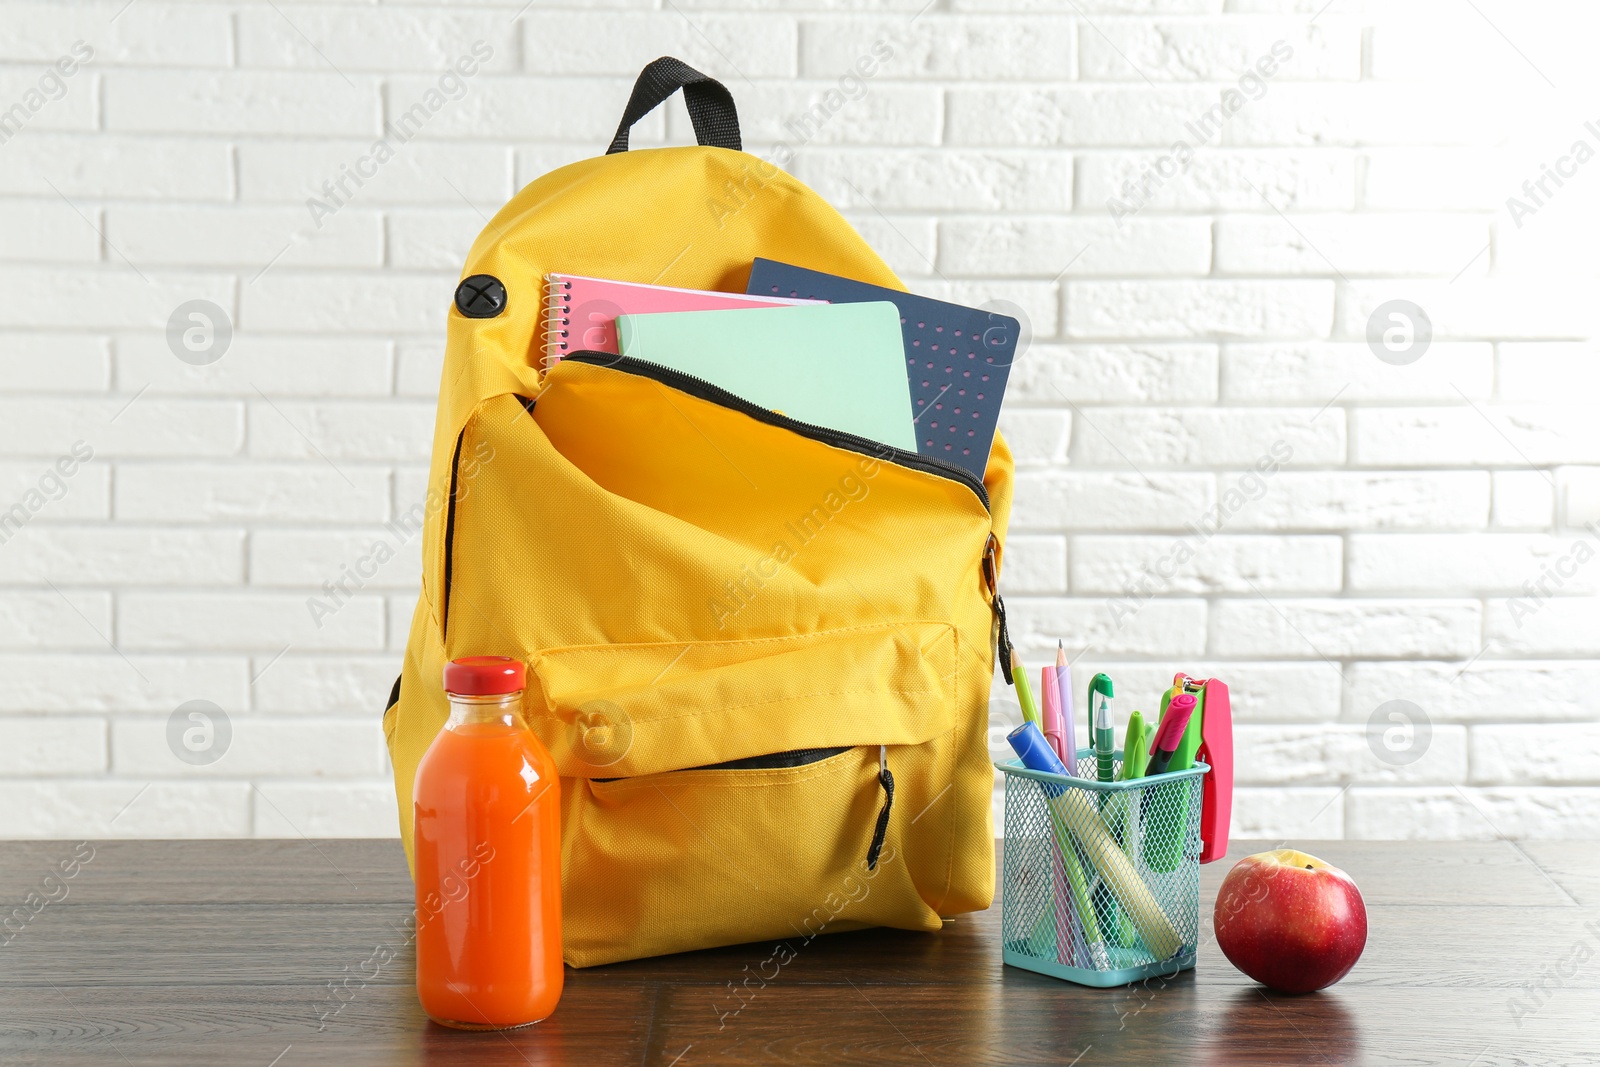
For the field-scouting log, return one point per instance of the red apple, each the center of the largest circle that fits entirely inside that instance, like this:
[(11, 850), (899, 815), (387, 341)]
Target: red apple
[(1290, 921)]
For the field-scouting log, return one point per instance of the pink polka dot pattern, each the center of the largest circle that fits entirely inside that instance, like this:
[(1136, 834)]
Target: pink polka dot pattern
[(957, 358)]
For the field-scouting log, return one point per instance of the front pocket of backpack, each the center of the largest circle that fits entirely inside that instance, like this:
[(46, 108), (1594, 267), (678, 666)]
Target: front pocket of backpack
[(681, 832), (626, 711), (690, 859)]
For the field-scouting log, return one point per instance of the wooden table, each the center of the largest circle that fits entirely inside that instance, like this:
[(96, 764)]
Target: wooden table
[(261, 953)]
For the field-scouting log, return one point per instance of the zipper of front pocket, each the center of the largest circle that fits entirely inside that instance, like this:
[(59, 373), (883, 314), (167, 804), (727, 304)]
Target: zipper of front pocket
[(798, 757), (801, 757), (715, 394)]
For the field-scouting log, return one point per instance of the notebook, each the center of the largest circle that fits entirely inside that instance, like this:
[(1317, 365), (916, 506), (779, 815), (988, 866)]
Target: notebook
[(838, 366), (580, 313), (957, 358)]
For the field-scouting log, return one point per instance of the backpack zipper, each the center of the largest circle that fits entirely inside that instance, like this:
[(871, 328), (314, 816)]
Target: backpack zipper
[(715, 394), (991, 584), (449, 539), (800, 757), (797, 757)]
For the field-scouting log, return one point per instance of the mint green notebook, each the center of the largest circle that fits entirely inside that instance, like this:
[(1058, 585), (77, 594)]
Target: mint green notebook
[(842, 366)]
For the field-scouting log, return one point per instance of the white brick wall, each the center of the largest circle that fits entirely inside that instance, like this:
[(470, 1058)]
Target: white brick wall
[(1422, 534)]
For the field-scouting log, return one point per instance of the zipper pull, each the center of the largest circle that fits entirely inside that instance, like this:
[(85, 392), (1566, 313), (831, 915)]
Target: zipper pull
[(1003, 641), (881, 831), (991, 581)]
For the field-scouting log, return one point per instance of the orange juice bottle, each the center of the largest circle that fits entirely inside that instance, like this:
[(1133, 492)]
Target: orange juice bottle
[(488, 857)]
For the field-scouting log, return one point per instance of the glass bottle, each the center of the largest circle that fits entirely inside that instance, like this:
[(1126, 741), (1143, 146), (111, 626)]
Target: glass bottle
[(486, 804)]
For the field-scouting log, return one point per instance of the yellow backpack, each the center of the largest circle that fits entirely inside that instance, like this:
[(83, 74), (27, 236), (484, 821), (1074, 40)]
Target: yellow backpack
[(760, 651)]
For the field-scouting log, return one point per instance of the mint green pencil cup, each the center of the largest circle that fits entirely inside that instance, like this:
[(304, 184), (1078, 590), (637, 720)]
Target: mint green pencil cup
[(1079, 900)]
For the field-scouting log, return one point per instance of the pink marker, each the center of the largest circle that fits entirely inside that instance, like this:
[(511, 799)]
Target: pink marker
[(1066, 917), (1179, 710), (1053, 721)]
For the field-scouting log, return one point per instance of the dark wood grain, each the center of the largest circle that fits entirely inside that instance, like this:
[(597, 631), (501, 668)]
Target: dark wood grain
[(250, 952), (214, 872)]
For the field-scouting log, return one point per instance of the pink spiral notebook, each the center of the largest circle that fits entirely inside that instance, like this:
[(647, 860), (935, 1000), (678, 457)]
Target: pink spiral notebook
[(581, 313)]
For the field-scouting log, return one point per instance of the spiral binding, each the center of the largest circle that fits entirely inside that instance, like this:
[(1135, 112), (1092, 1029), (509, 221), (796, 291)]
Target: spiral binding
[(555, 319)]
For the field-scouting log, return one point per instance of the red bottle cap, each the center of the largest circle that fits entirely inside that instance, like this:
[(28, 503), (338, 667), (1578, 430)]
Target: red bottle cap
[(484, 675)]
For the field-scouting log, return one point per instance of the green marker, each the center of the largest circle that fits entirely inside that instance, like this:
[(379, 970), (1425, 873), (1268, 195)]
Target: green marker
[(1135, 753), (1183, 758), (1133, 748), (1163, 847)]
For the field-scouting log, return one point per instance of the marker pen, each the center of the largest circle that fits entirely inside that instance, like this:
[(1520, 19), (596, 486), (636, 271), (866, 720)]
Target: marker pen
[(1170, 736)]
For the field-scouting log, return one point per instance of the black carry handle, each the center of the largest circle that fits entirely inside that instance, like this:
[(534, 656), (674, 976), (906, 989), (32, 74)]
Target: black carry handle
[(711, 109)]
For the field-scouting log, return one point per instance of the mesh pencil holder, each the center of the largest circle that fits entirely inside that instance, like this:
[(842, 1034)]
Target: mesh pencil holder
[(1101, 882)]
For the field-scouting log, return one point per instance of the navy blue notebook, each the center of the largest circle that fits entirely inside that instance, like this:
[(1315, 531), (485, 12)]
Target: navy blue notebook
[(957, 358)]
